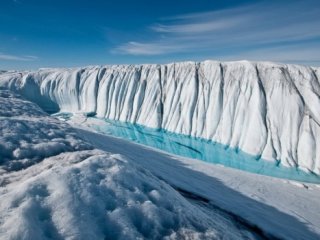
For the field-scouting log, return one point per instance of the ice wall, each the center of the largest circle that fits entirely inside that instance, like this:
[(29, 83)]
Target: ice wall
[(265, 109)]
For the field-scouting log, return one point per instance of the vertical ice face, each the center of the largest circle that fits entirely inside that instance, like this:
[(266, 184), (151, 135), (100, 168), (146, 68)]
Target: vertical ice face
[(131, 94), (266, 109), (243, 109)]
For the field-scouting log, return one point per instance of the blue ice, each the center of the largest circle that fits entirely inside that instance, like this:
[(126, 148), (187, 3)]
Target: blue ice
[(201, 149)]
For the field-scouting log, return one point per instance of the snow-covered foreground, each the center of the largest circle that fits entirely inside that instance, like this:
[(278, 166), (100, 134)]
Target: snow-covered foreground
[(55, 185), (266, 109)]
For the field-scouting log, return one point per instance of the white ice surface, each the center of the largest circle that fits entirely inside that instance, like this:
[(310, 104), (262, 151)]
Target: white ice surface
[(55, 185), (266, 109)]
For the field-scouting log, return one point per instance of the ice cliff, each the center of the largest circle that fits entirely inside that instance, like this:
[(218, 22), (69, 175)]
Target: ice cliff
[(266, 109)]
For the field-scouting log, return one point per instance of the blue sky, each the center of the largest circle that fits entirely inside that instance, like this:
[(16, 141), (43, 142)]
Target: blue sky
[(61, 33)]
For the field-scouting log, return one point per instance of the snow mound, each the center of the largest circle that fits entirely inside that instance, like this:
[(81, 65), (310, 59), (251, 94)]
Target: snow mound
[(53, 185), (265, 109), (27, 134), (94, 195)]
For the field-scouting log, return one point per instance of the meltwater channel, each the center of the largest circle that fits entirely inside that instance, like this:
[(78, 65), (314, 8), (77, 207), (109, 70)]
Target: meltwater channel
[(198, 148)]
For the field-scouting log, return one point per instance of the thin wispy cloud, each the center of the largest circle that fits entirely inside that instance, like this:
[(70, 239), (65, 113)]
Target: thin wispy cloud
[(297, 53), (152, 48), (10, 57), (254, 27), (197, 27)]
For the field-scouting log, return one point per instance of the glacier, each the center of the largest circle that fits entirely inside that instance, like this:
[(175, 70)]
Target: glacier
[(63, 182), (266, 109)]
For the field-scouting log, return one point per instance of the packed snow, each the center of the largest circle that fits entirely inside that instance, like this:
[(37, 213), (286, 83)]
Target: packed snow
[(27, 134), (266, 109), (56, 185)]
